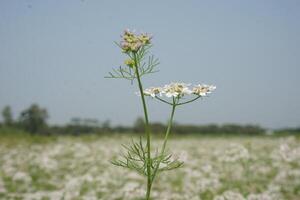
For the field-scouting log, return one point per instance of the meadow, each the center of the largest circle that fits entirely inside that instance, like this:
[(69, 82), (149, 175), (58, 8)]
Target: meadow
[(216, 168)]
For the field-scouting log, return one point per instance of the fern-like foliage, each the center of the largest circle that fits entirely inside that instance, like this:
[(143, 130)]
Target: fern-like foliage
[(145, 63), (136, 159)]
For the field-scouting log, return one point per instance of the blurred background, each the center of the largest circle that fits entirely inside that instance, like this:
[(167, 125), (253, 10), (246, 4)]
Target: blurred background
[(56, 54), (62, 122)]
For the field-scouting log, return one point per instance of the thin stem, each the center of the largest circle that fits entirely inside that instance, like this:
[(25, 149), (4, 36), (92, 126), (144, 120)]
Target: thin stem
[(147, 129), (166, 138), (179, 104), (163, 100)]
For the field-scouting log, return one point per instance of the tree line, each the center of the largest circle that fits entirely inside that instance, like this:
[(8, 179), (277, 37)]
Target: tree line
[(34, 120)]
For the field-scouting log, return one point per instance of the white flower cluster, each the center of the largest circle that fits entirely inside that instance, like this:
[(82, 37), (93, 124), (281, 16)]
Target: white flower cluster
[(235, 152), (201, 173), (263, 196), (179, 90), (289, 154), (22, 176), (132, 42), (2, 186), (230, 195)]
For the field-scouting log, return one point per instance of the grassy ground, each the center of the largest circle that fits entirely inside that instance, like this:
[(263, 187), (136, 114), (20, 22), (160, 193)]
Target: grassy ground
[(217, 168)]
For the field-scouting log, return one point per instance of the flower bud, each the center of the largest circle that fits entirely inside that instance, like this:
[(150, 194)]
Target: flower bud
[(130, 63)]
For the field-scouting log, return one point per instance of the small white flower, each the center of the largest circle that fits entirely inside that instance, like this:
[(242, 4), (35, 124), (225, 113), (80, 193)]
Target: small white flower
[(176, 89), (203, 90), (153, 91)]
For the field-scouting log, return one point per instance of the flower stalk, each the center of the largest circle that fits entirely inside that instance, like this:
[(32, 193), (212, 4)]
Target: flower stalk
[(166, 137), (147, 128)]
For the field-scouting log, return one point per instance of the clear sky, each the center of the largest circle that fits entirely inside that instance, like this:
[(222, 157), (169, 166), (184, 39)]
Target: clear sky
[(56, 53)]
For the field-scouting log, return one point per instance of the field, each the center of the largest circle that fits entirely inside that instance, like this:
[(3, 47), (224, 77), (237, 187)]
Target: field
[(217, 168)]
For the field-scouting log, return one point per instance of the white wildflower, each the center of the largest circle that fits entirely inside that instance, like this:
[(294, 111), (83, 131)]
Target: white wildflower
[(273, 193), (176, 90), (289, 154), (230, 195), (130, 186), (45, 162), (21, 176), (263, 196), (207, 183), (234, 153), (183, 156), (2, 186), (153, 91), (132, 190), (203, 90)]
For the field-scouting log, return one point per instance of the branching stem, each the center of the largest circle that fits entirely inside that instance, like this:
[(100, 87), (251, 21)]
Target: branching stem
[(164, 101), (179, 104)]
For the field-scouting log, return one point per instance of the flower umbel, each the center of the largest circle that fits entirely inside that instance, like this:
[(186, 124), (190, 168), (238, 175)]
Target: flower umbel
[(136, 47), (180, 90), (133, 42), (176, 90)]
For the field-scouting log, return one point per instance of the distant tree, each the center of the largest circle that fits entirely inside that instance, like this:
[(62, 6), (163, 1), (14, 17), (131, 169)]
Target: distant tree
[(90, 122), (7, 116), (158, 127), (139, 125), (106, 126), (75, 121), (34, 119)]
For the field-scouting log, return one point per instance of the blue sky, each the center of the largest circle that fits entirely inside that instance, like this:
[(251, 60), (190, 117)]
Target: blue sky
[(56, 53)]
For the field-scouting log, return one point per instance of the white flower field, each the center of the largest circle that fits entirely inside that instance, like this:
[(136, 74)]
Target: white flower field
[(217, 168)]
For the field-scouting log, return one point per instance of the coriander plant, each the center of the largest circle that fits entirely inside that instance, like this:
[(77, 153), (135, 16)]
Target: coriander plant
[(138, 64)]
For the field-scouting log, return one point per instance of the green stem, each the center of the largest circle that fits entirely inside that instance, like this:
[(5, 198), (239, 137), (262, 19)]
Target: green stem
[(147, 129), (179, 104), (166, 138), (164, 101)]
